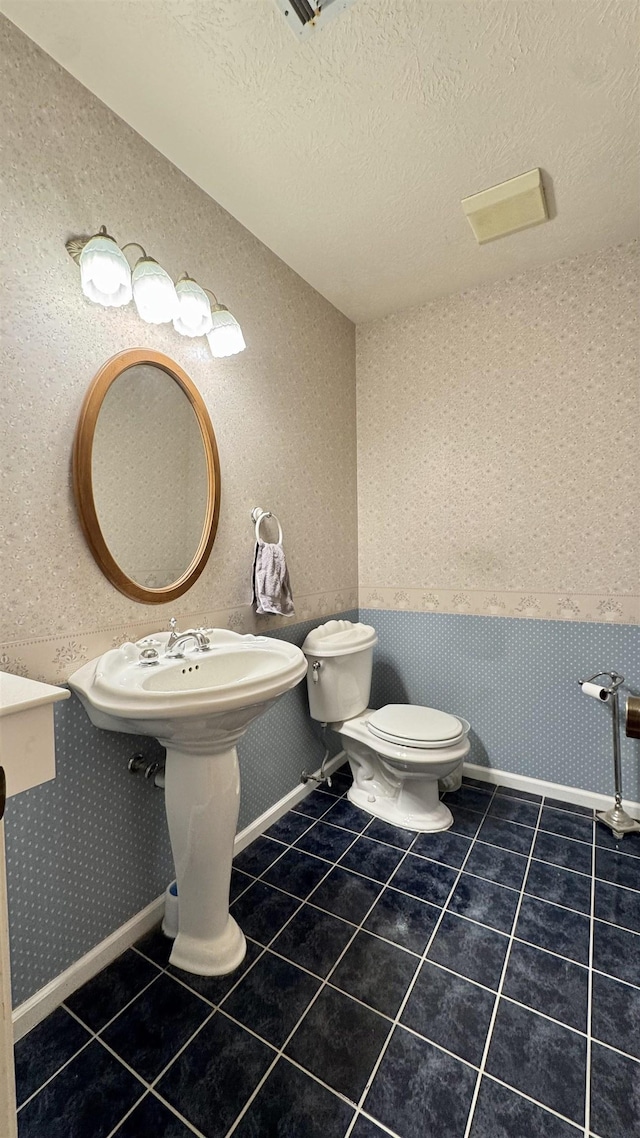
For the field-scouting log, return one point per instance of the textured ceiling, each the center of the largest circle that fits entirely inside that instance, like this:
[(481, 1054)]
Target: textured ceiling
[(348, 153)]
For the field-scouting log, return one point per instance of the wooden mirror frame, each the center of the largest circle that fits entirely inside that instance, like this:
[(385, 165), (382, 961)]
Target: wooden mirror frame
[(83, 475)]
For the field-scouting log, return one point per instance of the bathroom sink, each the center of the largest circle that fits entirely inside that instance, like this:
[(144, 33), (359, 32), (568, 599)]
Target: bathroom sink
[(198, 706)]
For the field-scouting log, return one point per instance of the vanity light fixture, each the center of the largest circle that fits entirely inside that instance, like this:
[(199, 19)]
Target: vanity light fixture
[(193, 317), (154, 293), (225, 337), (105, 273), (107, 279)]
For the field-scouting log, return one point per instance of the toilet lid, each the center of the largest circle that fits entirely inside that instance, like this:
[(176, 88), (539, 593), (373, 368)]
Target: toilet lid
[(411, 726)]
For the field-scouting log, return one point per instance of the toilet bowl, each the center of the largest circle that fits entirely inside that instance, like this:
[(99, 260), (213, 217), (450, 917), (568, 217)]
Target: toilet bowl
[(398, 753)]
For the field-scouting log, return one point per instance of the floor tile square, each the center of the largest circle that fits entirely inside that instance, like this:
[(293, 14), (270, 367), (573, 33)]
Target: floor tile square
[(215, 988), (86, 1100), (428, 880), (558, 930), (561, 886), (618, 868), (465, 822), (616, 952), (156, 947), (325, 841), (451, 849), (271, 998), (262, 911), (155, 1026), (102, 997), (618, 906), (615, 1014), (542, 1059), (314, 940), (572, 807), (345, 814), (514, 810), (549, 984), (501, 1113), (481, 783), (375, 972), (258, 856), (290, 1104), (629, 845), (470, 797), (484, 901), (296, 872), (563, 852), (152, 1119), (289, 827), (413, 1093), (213, 1078), (567, 825), (373, 859), (406, 921), (450, 1011), (324, 1042), (507, 835), (513, 792), (45, 1049), (346, 894), (494, 864), (470, 950), (392, 835), (615, 1093), (315, 804), (239, 882)]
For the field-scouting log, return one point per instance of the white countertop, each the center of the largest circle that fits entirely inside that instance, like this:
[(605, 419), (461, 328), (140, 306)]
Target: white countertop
[(17, 693)]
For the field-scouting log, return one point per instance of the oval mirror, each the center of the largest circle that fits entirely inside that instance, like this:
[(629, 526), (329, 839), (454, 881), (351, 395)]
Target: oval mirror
[(146, 476)]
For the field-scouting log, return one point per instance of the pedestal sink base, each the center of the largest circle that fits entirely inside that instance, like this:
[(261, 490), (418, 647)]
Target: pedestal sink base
[(210, 958)]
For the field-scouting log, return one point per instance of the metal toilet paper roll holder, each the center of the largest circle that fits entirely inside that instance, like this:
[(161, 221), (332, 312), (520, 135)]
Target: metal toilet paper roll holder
[(616, 818)]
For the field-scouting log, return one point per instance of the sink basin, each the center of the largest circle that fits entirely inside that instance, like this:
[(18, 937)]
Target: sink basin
[(198, 707)]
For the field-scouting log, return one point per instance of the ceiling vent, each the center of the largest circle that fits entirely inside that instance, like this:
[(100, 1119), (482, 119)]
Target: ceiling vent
[(507, 208), (305, 16)]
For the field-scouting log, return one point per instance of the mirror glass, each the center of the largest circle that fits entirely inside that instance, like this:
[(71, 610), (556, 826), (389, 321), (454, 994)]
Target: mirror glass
[(146, 476), (149, 475)]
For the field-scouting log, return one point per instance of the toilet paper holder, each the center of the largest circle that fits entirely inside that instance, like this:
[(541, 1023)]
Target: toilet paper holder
[(617, 819)]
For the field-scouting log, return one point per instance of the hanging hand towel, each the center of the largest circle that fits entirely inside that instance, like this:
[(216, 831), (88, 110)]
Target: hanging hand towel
[(271, 585)]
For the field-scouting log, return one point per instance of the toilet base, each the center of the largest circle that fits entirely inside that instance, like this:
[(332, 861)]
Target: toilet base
[(433, 816)]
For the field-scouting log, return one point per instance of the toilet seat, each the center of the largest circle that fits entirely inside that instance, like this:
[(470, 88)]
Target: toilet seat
[(421, 728)]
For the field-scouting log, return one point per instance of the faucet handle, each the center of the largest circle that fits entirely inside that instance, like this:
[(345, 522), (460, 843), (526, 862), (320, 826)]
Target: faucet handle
[(173, 624)]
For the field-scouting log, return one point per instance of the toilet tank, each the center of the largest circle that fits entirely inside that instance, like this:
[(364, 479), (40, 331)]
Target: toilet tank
[(340, 656)]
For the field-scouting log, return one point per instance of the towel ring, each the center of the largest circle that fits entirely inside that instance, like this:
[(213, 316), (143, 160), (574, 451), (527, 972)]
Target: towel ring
[(258, 515)]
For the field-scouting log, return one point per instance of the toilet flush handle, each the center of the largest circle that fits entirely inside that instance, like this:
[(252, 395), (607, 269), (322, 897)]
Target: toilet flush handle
[(317, 664)]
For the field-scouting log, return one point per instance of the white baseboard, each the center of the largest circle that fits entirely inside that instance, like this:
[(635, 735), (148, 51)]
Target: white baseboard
[(552, 789), (30, 1013)]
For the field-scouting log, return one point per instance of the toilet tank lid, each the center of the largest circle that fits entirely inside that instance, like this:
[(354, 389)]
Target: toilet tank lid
[(339, 638)]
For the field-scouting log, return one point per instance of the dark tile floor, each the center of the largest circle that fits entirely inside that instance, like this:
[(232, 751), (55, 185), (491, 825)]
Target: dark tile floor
[(481, 983)]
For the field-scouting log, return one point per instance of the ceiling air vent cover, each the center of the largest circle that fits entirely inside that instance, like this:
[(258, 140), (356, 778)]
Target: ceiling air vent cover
[(306, 16)]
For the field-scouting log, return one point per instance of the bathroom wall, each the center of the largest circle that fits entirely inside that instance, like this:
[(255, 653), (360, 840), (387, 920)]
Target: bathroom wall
[(499, 516), (90, 849)]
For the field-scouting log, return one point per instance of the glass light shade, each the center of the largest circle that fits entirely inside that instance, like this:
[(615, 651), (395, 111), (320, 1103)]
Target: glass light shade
[(154, 292), (105, 274), (193, 317), (225, 337)]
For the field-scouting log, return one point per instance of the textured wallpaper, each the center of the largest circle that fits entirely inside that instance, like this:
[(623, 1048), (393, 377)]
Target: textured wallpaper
[(498, 456), (283, 410)]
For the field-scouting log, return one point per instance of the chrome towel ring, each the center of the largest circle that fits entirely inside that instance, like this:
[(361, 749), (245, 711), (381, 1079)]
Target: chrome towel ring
[(258, 515)]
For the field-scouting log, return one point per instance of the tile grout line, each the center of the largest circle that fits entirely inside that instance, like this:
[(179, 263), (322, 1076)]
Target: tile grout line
[(587, 1089), (503, 975), (414, 979)]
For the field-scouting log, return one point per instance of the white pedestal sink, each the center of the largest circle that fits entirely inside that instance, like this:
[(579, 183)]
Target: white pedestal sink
[(197, 707)]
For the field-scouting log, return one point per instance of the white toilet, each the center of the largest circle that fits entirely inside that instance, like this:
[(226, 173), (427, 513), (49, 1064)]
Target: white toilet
[(396, 754)]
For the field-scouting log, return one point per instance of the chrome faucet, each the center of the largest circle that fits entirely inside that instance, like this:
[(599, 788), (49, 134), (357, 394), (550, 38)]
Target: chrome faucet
[(178, 639)]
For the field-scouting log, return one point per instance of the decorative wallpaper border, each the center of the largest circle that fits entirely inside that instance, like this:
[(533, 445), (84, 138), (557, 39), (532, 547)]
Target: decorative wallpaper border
[(491, 602), (53, 659)]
